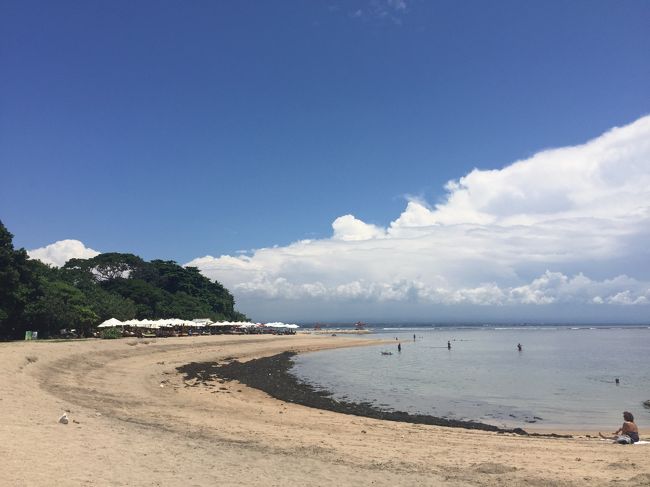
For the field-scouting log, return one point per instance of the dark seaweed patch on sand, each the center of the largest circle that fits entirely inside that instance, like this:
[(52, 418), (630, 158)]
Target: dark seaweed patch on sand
[(272, 375)]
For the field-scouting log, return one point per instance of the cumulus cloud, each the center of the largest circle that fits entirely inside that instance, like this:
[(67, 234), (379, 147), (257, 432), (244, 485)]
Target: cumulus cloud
[(60, 252), (564, 230), (606, 178), (567, 225), (348, 227)]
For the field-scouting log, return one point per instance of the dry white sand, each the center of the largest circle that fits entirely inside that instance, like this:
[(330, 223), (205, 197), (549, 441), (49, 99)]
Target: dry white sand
[(125, 429)]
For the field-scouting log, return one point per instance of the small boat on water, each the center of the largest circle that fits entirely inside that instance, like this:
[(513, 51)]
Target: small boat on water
[(386, 353)]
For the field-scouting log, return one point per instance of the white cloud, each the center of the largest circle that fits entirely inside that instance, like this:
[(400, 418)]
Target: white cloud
[(564, 226), (60, 252), (548, 288), (348, 227), (562, 233)]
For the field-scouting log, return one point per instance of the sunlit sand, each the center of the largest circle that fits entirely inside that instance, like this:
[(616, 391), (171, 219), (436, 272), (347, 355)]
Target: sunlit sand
[(133, 420)]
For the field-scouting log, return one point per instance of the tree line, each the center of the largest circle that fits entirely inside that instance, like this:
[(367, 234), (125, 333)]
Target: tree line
[(85, 292)]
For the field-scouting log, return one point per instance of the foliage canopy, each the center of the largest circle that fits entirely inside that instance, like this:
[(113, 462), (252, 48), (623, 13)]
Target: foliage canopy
[(85, 292)]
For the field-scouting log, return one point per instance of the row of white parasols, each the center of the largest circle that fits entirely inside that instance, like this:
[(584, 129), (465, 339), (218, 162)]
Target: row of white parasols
[(176, 322)]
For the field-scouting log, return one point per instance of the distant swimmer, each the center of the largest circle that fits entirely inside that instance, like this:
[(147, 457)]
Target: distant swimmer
[(617, 381), (448, 345), (519, 347), (399, 347)]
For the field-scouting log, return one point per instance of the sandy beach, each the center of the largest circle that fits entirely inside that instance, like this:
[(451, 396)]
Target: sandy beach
[(134, 420)]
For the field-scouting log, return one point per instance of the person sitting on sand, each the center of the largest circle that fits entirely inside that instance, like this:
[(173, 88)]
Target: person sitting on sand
[(628, 433)]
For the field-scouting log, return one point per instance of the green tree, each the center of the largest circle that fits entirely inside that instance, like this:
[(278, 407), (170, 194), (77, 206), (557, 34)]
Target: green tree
[(103, 267), (150, 300), (84, 292), (61, 306), (110, 305), (18, 285)]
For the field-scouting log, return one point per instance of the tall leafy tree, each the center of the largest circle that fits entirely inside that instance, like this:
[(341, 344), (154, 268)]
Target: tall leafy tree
[(18, 285), (61, 306), (84, 292), (103, 267)]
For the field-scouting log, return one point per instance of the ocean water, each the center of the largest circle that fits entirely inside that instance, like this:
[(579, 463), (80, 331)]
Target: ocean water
[(563, 379)]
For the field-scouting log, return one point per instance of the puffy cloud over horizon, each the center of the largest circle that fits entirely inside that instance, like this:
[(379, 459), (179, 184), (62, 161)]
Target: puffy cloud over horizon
[(563, 231), (58, 253), (567, 225)]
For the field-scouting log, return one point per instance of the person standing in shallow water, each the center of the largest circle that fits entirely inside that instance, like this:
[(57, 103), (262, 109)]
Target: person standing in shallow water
[(519, 347), (399, 347), (448, 345)]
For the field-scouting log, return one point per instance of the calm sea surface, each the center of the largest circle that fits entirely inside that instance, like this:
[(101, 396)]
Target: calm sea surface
[(563, 379)]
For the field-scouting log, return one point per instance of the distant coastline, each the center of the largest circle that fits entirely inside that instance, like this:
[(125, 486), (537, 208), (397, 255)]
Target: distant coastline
[(334, 331), (375, 327)]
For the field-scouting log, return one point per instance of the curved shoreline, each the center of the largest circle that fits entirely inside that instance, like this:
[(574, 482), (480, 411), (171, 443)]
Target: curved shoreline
[(272, 375), (135, 421)]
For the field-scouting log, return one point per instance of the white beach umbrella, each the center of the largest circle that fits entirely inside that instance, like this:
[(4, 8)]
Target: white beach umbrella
[(151, 324), (221, 324), (202, 321), (279, 324), (274, 324), (110, 323)]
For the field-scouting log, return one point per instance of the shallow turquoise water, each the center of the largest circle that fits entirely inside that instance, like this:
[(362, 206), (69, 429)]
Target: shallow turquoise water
[(563, 379)]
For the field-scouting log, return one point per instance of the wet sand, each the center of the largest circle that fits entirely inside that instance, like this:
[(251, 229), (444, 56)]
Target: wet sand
[(136, 420)]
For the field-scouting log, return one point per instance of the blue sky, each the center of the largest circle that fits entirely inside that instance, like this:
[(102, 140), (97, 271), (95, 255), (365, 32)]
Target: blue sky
[(178, 130)]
